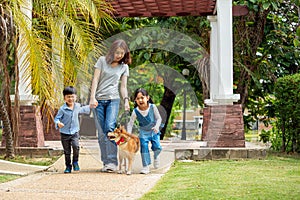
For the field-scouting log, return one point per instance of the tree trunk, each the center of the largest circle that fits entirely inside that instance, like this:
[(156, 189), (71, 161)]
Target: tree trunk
[(294, 144), (283, 147), (5, 103), (254, 35), (165, 109), (203, 68), (16, 118), (7, 132)]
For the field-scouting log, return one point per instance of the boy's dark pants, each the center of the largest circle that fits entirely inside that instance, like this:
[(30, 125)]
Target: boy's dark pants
[(67, 142)]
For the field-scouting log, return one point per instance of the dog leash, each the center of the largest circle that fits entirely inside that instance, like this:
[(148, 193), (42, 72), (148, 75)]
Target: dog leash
[(123, 120), (83, 141)]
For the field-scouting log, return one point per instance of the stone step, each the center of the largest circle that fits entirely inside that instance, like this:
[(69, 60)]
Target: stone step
[(220, 153)]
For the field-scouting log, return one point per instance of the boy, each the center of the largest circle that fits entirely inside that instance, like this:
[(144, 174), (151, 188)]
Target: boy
[(68, 123)]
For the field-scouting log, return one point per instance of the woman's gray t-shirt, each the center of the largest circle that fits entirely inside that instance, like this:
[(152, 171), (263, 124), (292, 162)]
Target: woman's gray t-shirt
[(108, 85)]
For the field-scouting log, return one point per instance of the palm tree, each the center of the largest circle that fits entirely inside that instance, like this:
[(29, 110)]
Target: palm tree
[(6, 39), (56, 44)]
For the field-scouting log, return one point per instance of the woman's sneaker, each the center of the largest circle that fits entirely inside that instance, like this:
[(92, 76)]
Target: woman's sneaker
[(145, 170), (103, 169), (76, 166), (111, 167)]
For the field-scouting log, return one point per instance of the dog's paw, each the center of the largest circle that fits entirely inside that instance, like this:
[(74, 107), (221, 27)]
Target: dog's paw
[(128, 173), (121, 172)]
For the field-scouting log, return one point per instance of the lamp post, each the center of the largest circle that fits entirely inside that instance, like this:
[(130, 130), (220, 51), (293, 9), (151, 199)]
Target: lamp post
[(185, 73)]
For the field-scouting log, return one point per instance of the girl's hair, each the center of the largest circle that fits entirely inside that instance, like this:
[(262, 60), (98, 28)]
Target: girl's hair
[(111, 52), (69, 90), (144, 93)]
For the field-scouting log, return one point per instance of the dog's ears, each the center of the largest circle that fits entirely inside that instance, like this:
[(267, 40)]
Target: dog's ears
[(119, 125), (123, 129)]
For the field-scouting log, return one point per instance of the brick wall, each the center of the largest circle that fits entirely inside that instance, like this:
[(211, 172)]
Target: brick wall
[(31, 128), (223, 126), (50, 133)]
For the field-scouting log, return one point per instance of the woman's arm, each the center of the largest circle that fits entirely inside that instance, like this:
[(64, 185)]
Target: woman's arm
[(93, 100), (124, 92)]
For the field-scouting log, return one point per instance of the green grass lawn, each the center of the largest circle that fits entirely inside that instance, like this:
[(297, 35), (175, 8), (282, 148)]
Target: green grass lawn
[(5, 178), (43, 161), (272, 178)]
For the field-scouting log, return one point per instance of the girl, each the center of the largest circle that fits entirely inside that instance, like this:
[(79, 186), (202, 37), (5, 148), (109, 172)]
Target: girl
[(105, 98), (149, 120)]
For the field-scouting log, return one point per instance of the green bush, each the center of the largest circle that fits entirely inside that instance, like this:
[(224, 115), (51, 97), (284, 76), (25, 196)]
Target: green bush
[(287, 111), (264, 136)]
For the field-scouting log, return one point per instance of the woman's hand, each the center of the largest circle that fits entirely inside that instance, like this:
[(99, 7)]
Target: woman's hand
[(93, 103), (126, 104)]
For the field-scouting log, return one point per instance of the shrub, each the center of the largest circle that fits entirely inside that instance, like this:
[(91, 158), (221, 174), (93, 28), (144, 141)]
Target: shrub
[(287, 111)]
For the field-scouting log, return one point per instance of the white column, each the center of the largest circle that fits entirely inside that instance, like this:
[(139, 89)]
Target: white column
[(214, 61), (224, 23), (222, 90), (25, 90)]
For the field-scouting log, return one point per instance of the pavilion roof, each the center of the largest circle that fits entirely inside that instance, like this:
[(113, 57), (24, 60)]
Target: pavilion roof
[(167, 8)]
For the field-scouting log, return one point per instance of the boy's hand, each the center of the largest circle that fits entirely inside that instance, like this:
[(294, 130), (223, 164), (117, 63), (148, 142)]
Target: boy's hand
[(60, 125)]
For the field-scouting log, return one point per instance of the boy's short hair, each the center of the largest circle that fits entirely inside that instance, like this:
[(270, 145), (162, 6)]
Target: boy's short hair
[(69, 90)]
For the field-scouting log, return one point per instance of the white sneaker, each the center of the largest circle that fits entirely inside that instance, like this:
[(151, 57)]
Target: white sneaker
[(103, 169), (111, 167), (156, 163), (145, 170)]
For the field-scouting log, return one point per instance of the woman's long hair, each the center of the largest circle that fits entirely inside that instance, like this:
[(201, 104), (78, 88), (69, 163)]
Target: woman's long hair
[(116, 44)]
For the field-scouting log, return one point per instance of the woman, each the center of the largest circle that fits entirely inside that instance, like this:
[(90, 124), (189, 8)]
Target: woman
[(105, 98)]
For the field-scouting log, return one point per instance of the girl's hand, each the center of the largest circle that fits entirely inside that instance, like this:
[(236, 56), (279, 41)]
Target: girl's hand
[(155, 130), (60, 125), (93, 103)]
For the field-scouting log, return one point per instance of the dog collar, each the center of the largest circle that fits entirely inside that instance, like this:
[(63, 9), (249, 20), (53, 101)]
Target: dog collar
[(122, 140)]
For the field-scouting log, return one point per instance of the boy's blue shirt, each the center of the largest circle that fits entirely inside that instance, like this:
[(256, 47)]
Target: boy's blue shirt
[(70, 118)]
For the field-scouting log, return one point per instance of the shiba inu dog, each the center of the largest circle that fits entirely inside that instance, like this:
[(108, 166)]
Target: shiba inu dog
[(128, 145)]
